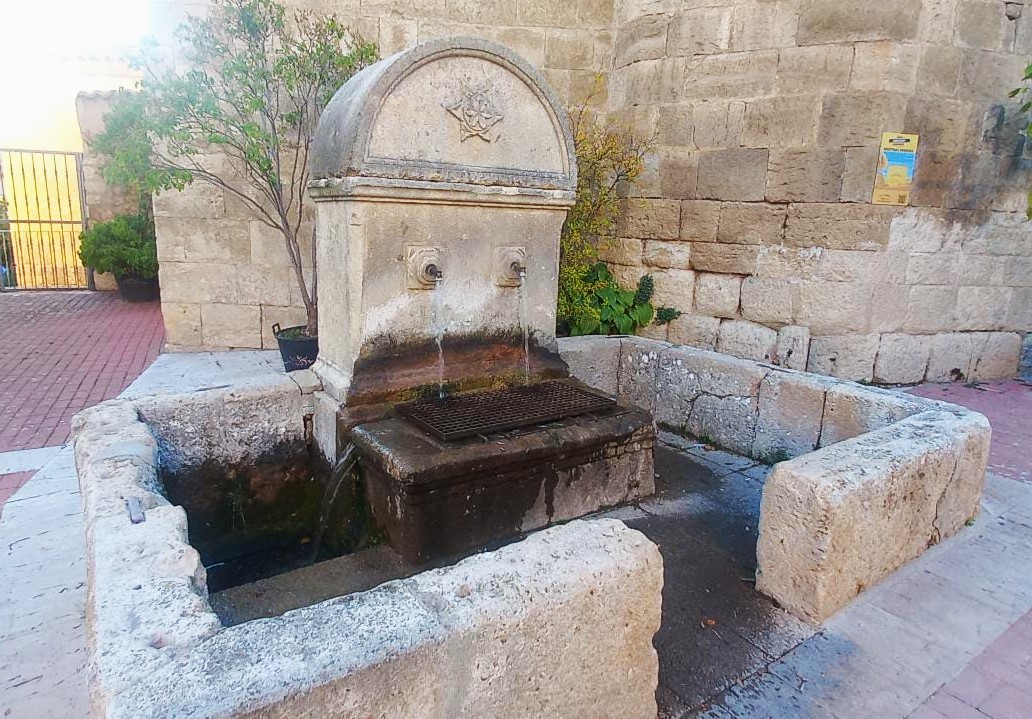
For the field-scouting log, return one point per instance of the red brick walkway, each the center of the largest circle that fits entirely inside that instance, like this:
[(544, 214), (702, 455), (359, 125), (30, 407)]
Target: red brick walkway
[(61, 352), (997, 684)]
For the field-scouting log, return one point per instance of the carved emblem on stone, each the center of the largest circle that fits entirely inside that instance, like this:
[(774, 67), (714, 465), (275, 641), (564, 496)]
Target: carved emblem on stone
[(475, 112)]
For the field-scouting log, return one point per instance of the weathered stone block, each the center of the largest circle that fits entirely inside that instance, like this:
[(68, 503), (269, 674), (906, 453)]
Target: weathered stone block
[(699, 31), (998, 357), (952, 356), (732, 175), (182, 324), (902, 359), (572, 50), (621, 251), (832, 307), (822, 22), (718, 124), (732, 75), (814, 69), (930, 309), (802, 174), (751, 223), (939, 268), (649, 219), (942, 123), (678, 385), (717, 295), (768, 301), (838, 227), (231, 326), (198, 200), (939, 70), (674, 288), (727, 259), (203, 240), (694, 331), (847, 357), (858, 119), (921, 477), (793, 347), (644, 38), (636, 375), (982, 25), (782, 121), (858, 173), (881, 65), (699, 220), (730, 422), (791, 409), (761, 26), (593, 360), (983, 308), (748, 340), (852, 410), (659, 253), (678, 172)]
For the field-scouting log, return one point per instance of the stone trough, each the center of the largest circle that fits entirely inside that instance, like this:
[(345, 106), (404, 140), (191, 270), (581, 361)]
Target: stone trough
[(479, 638), (864, 479)]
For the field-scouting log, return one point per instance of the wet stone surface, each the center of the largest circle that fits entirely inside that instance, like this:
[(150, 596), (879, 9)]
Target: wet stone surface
[(717, 630)]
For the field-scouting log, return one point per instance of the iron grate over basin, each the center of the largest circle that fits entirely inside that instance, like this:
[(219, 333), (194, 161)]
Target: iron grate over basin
[(470, 415)]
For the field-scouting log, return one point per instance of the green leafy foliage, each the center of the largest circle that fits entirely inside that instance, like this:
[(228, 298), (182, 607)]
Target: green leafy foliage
[(591, 300), (249, 86), (123, 246), (666, 315), (1023, 94), (611, 309)]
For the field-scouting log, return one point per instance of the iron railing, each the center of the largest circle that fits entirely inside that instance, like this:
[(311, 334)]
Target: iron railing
[(41, 218)]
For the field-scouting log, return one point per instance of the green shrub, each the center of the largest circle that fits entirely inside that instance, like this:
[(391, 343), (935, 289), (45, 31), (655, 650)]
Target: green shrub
[(122, 246), (591, 301)]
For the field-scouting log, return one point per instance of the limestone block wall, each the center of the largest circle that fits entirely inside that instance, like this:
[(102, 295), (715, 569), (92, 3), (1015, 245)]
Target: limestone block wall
[(103, 201), (225, 277), (755, 213)]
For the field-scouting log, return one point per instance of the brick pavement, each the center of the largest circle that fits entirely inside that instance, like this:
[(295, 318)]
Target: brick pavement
[(61, 352), (997, 684)]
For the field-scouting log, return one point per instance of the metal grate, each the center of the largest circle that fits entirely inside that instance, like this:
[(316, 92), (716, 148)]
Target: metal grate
[(465, 416)]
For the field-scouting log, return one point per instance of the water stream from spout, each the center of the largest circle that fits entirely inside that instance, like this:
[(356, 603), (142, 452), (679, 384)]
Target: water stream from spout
[(341, 470), (521, 300), (437, 327)]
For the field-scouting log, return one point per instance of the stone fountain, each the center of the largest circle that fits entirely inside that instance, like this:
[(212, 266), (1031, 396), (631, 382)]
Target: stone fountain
[(442, 177)]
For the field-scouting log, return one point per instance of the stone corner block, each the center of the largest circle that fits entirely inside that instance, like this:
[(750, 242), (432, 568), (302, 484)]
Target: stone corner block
[(594, 360), (921, 482)]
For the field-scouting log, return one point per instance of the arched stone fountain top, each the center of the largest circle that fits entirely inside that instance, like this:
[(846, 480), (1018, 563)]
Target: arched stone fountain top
[(462, 111)]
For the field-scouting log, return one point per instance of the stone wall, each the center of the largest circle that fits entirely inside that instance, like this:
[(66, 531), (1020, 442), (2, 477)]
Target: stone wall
[(103, 201), (754, 213), (754, 216), (225, 277)]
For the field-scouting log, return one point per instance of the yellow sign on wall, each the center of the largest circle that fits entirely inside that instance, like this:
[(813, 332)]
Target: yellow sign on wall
[(896, 163)]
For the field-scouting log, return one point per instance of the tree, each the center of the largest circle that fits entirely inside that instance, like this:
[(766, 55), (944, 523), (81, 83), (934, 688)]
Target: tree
[(251, 85), (1024, 96)]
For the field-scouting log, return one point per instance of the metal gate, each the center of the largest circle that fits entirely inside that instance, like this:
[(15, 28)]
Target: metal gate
[(41, 217)]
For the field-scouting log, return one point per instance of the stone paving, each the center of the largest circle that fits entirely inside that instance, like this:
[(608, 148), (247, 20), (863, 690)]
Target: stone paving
[(947, 636), (62, 352)]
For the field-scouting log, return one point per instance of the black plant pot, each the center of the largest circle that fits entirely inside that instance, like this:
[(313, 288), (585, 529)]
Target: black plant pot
[(133, 288), (297, 349)]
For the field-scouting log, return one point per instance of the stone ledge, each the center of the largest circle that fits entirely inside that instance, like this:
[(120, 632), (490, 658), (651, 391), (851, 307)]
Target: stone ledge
[(868, 478), (592, 588)]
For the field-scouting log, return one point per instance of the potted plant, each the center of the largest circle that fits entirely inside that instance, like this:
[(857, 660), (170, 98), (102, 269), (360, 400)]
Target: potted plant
[(251, 87), (125, 247)]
